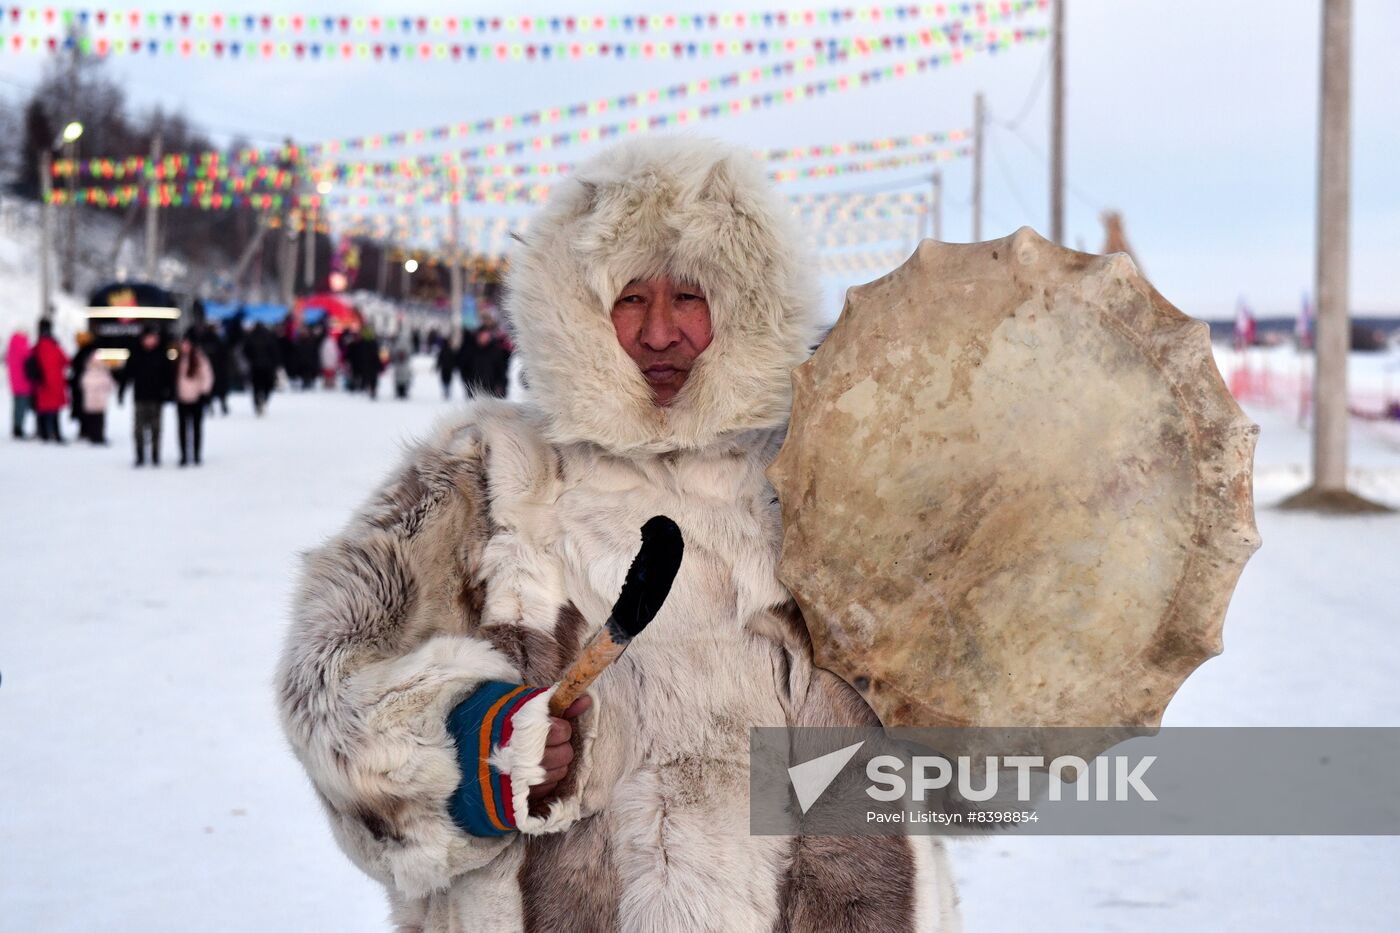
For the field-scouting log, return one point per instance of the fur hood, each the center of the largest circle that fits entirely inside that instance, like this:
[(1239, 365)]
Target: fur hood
[(695, 209)]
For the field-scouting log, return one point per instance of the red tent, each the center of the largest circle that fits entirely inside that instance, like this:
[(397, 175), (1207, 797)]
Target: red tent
[(338, 314)]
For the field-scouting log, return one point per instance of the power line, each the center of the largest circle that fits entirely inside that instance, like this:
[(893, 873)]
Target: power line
[(23, 85), (278, 138), (1034, 93), (1089, 201), (1011, 183)]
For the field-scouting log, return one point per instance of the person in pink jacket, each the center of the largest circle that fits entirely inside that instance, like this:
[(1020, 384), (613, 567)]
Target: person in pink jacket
[(97, 383), (194, 380), (20, 388)]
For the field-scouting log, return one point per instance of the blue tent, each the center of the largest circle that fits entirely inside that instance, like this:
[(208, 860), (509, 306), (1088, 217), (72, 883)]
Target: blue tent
[(252, 314)]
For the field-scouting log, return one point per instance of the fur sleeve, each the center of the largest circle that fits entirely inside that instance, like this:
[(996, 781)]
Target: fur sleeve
[(379, 653)]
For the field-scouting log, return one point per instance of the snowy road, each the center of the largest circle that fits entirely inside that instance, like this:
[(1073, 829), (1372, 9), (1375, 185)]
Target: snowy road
[(146, 786)]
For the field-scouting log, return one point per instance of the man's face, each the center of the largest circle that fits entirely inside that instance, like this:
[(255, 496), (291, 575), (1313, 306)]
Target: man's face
[(663, 324)]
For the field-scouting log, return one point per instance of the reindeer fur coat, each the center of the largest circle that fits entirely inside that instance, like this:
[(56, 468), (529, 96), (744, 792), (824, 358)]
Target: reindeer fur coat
[(498, 547)]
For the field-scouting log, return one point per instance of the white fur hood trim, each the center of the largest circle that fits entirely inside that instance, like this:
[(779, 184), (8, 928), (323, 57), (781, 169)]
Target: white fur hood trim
[(696, 209)]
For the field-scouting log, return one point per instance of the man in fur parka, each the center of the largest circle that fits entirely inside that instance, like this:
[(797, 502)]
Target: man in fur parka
[(659, 303)]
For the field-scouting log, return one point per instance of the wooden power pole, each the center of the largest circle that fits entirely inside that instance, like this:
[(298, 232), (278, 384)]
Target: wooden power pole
[(153, 210), (454, 307), (45, 234), (70, 240), (308, 273), (68, 278), (287, 260), (979, 120), (1057, 127), (1329, 489), (246, 257)]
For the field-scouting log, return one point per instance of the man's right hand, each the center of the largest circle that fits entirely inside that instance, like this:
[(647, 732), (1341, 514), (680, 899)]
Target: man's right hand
[(480, 805), (559, 748)]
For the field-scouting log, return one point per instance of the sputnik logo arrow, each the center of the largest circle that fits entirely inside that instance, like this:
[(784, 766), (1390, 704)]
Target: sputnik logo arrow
[(811, 778)]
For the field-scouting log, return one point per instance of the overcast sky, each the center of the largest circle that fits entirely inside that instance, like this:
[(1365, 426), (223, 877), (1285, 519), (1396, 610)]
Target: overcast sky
[(1196, 119)]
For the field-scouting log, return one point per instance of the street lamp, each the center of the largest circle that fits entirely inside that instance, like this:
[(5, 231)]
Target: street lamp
[(67, 138), (410, 266)]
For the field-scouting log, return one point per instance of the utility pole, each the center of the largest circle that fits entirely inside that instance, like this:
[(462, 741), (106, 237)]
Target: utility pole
[(308, 272), (1333, 235), (287, 260), (45, 233), (935, 206), (291, 216), (979, 120), (70, 246), (70, 151), (153, 209), (383, 282), (260, 269), (308, 218), (254, 246), (455, 276), (1333, 340), (1057, 127)]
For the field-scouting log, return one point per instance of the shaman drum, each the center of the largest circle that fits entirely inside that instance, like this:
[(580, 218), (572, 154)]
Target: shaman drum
[(1015, 491)]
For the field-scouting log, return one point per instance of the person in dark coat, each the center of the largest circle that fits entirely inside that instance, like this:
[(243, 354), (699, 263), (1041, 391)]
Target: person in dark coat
[(498, 363), (288, 355), (401, 359), (76, 367), (309, 357), (367, 363), (151, 377), (469, 364), (234, 335), (217, 351), (447, 355), (260, 350), (349, 352), (485, 363)]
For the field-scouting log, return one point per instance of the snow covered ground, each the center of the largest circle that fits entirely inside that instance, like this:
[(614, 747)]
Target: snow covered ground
[(1312, 639), (146, 786)]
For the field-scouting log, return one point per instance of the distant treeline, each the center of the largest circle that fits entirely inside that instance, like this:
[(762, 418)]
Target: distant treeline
[(79, 88), (1368, 332)]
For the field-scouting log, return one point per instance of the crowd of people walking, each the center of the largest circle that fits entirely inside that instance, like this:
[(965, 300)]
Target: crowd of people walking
[(209, 361), (480, 358)]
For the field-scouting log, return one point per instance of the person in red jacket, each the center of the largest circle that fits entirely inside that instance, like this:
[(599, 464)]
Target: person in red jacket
[(51, 388)]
